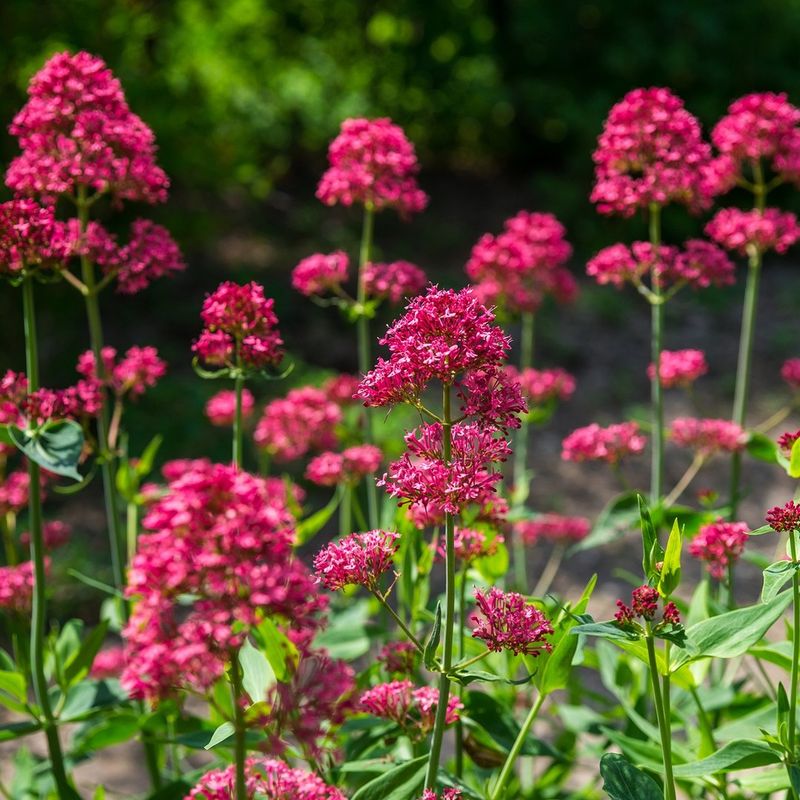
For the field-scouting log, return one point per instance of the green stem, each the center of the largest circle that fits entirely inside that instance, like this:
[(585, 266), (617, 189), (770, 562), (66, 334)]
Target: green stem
[(398, 619), (550, 571), (450, 603), (131, 528), (656, 390), (513, 754), (238, 428), (8, 541), (240, 743), (39, 600), (462, 611), (795, 650), (362, 332), (663, 720), (345, 511)]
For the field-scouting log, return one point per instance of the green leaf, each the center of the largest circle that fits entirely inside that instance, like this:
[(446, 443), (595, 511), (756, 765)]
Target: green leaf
[(739, 754), (651, 547), (429, 653), (144, 465), (5, 436), (108, 732), (794, 460), (279, 650), (346, 637), (761, 447), (308, 528), (221, 734), (15, 730), (87, 697), (671, 569), (494, 566), (775, 576), (604, 630), (731, 634), (257, 674), (56, 446), (400, 783), (13, 690), (763, 529), (467, 676), (623, 781), (77, 667)]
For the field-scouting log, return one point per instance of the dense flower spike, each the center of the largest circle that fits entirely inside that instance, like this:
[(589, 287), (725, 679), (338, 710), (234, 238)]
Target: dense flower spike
[(240, 328), (790, 372), (719, 544), (30, 238), (611, 444), (554, 528), (321, 273), (422, 478), (784, 519), (505, 621), (140, 369), (679, 368), (393, 281), (356, 560), (267, 779), (151, 253), (77, 131), (708, 436), (651, 150), (398, 657), (543, 386), (441, 334), (349, 466), (224, 538), (372, 163), (745, 231), (412, 709), (304, 420), (221, 408), (470, 544), (523, 264)]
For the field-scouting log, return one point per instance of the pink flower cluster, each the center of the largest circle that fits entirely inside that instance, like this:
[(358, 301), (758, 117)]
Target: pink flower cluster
[(140, 369), (16, 588), (373, 164), (321, 273), (506, 621), (644, 605), (304, 420), (651, 150), (224, 538), (719, 544), (784, 519), (786, 440), (221, 408), (398, 657), (543, 386), (268, 779), (349, 466), (393, 281), (742, 231), (151, 253), (708, 436), (790, 372), (108, 663), (679, 368), (413, 709), (518, 268), (470, 545), (55, 534), (611, 444), (30, 238), (240, 328), (554, 528), (76, 130), (341, 389), (421, 476), (356, 560), (14, 492)]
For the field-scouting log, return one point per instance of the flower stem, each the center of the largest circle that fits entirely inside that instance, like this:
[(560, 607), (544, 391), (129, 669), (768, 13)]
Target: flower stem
[(513, 754), (686, 479), (795, 650), (550, 571), (345, 511), (656, 391), (39, 600), (238, 432), (663, 719), (450, 603), (462, 610), (240, 744), (398, 619)]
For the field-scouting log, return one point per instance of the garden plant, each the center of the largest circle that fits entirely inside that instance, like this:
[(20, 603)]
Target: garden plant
[(356, 604)]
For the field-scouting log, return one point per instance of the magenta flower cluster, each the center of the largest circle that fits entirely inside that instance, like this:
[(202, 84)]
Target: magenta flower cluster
[(611, 444), (140, 369), (349, 466), (506, 621), (679, 368), (708, 436), (359, 559), (720, 544), (555, 528)]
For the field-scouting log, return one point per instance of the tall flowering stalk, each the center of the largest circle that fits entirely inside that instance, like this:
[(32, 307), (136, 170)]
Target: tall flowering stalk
[(759, 131)]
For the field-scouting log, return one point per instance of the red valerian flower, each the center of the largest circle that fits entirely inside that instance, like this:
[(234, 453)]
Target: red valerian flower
[(29, 238), (470, 545), (743, 231), (611, 444), (151, 253), (553, 528), (221, 408), (356, 560), (644, 605), (786, 440), (321, 273), (398, 657), (393, 281), (719, 544), (16, 588), (140, 369), (349, 466), (505, 621), (784, 519), (108, 663), (790, 372), (708, 436), (679, 367), (447, 794), (542, 386)]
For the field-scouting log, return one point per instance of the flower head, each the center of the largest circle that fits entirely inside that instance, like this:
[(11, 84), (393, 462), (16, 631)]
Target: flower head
[(553, 527), (151, 253), (719, 544), (29, 238), (470, 545), (505, 621), (786, 440), (372, 163), (784, 519), (790, 372), (543, 386), (16, 588), (611, 444), (349, 466), (55, 534), (321, 273), (139, 369), (644, 605), (745, 231), (679, 367), (398, 657), (356, 560), (221, 408), (393, 281), (108, 663), (447, 794), (708, 436), (341, 389)]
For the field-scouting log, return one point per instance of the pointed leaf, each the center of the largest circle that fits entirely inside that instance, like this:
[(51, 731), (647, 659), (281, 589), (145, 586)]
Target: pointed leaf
[(429, 654), (623, 781), (56, 446), (671, 568), (257, 675), (739, 754), (400, 783), (775, 576), (221, 734), (794, 460)]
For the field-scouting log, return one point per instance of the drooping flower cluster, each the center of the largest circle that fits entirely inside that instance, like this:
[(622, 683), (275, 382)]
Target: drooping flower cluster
[(506, 621), (349, 466), (719, 544), (745, 231), (356, 560), (373, 164), (76, 130), (679, 368), (224, 538), (221, 408), (321, 273), (651, 150), (470, 544), (518, 268), (30, 238), (304, 420), (240, 328), (413, 709), (708, 436), (393, 281), (268, 779), (140, 369), (644, 605), (553, 528), (611, 444), (543, 386), (784, 519)]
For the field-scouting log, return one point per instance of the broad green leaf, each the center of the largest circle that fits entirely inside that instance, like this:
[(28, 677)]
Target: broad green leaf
[(278, 648), (13, 691), (400, 783), (739, 754), (765, 782), (604, 630), (431, 646), (467, 676), (731, 634), (778, 653), (775, 576), (86, 698), (56, 446), (494, 566), (346, 637), (5, 436), (623, 781), (257, 674), (221, 734), (671, 569), (111, 731), (761, 447), (145, 463), (794, 460)]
